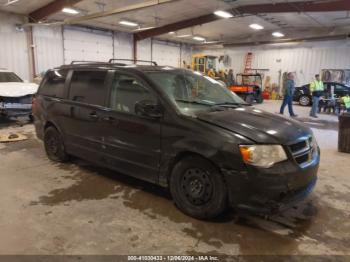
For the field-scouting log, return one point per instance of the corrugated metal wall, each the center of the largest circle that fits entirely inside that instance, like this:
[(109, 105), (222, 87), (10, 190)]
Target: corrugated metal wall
[(306, 60), (54, 46), (87, 45), (13, 46), (48, 50), (166, 53), (123, 45)]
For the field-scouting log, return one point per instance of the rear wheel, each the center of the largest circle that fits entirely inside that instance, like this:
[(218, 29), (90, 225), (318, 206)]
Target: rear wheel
[(54, 145), (304, 100), (197, 188)]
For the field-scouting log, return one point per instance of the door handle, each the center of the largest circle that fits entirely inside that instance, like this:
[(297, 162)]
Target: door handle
[(93, 115), (110, 119)]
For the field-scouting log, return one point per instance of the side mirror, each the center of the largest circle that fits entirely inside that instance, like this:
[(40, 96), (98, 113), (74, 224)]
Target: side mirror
[(148, 108)]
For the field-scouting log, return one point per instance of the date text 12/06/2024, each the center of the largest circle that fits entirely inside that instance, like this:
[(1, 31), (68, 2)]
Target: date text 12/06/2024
[(173, 258)]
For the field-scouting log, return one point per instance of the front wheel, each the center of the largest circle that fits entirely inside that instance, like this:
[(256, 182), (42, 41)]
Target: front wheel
[(197, 188), (54, 145)]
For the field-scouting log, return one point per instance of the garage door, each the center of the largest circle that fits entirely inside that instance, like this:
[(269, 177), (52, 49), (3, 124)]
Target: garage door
[(87, 45), (166, 54)]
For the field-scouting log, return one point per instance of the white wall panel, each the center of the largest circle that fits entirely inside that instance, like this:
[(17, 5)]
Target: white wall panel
[(166, 53), (48, 44), (186, 54), (306, 60), (87, 45), (123, 45), (144, 51), (13, 46)]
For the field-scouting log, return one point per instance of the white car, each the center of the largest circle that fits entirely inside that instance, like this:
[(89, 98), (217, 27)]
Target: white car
[(15, 95)]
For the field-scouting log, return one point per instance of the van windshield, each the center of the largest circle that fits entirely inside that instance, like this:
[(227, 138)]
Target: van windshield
[(192, 92)]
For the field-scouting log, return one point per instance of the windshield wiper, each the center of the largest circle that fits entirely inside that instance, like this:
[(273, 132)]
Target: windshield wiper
[(228, 104), (192, 102)]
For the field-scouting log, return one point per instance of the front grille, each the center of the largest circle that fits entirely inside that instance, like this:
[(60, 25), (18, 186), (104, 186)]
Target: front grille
[(303, 151), (298, 146)]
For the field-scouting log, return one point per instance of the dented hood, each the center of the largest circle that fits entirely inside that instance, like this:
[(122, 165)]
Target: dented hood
[(257, 125), (17, 89)]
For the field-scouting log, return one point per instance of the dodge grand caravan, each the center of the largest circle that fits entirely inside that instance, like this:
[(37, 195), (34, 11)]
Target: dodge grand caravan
[(179, 129)]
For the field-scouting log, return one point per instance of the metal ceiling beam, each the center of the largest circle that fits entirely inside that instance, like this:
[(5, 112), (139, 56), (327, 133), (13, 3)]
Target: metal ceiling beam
[(50, 9), (301, 40), (289, 7), (305, 6)]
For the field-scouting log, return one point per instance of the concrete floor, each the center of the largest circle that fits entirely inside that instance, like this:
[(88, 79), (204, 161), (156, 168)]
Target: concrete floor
[(75, 208)]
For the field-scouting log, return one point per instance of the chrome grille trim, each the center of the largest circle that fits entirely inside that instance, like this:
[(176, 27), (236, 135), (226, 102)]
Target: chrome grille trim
[(306, 154)]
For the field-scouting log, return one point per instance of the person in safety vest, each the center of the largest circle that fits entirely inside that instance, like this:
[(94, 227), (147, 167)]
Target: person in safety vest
[(346, 101), (211, 73), (316, 89)]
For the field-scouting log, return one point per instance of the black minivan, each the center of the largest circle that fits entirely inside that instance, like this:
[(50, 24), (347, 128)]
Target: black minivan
[(179, 129)]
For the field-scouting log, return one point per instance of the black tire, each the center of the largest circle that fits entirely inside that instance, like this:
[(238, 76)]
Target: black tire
[(249, 99), (198, 188), (54, 145), (304, 100)]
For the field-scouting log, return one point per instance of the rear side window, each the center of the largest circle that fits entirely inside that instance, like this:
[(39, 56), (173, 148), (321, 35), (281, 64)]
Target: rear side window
[(88, 87), (53, 84)]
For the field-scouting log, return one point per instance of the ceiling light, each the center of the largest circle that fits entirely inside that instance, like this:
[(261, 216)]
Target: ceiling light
[(144, 28), (70, 11), (183, 36), (256, 26), (223, 14), (277, 34), (198, 38), (171, 33), (128, 23), (10, 2), (211, 42)]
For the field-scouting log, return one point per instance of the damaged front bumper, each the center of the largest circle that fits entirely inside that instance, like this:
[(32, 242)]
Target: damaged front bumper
[(16, 106), (273, 190), (15, 109)]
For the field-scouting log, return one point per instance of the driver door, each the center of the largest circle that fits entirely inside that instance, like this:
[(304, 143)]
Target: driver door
[(131, 141)]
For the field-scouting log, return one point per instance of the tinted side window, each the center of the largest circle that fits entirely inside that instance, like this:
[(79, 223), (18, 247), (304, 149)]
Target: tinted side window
[(88, 87), (53, 84), (127, 90), (340, 88)]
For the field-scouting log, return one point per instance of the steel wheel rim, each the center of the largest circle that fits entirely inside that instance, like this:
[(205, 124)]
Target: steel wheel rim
[(304, 100), (196, 186)]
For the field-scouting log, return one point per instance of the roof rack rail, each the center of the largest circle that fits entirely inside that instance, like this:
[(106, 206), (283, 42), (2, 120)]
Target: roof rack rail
[(86, 62), (132, 60)]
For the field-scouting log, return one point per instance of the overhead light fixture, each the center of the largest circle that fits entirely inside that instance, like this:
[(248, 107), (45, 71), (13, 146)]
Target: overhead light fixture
[(69, 10), (128, 23), (10, 2), (211, 42), (277, 34), (198, 38), (223, 14), (183, 36), (144, 28), (171, 33), (256, 26)]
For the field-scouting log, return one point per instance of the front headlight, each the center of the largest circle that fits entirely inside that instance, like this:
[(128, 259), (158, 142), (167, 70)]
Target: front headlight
[(262, 155)]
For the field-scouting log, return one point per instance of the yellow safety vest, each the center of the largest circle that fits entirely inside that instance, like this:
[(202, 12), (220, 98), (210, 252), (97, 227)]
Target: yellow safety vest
[(316, 86), (346, 100)]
